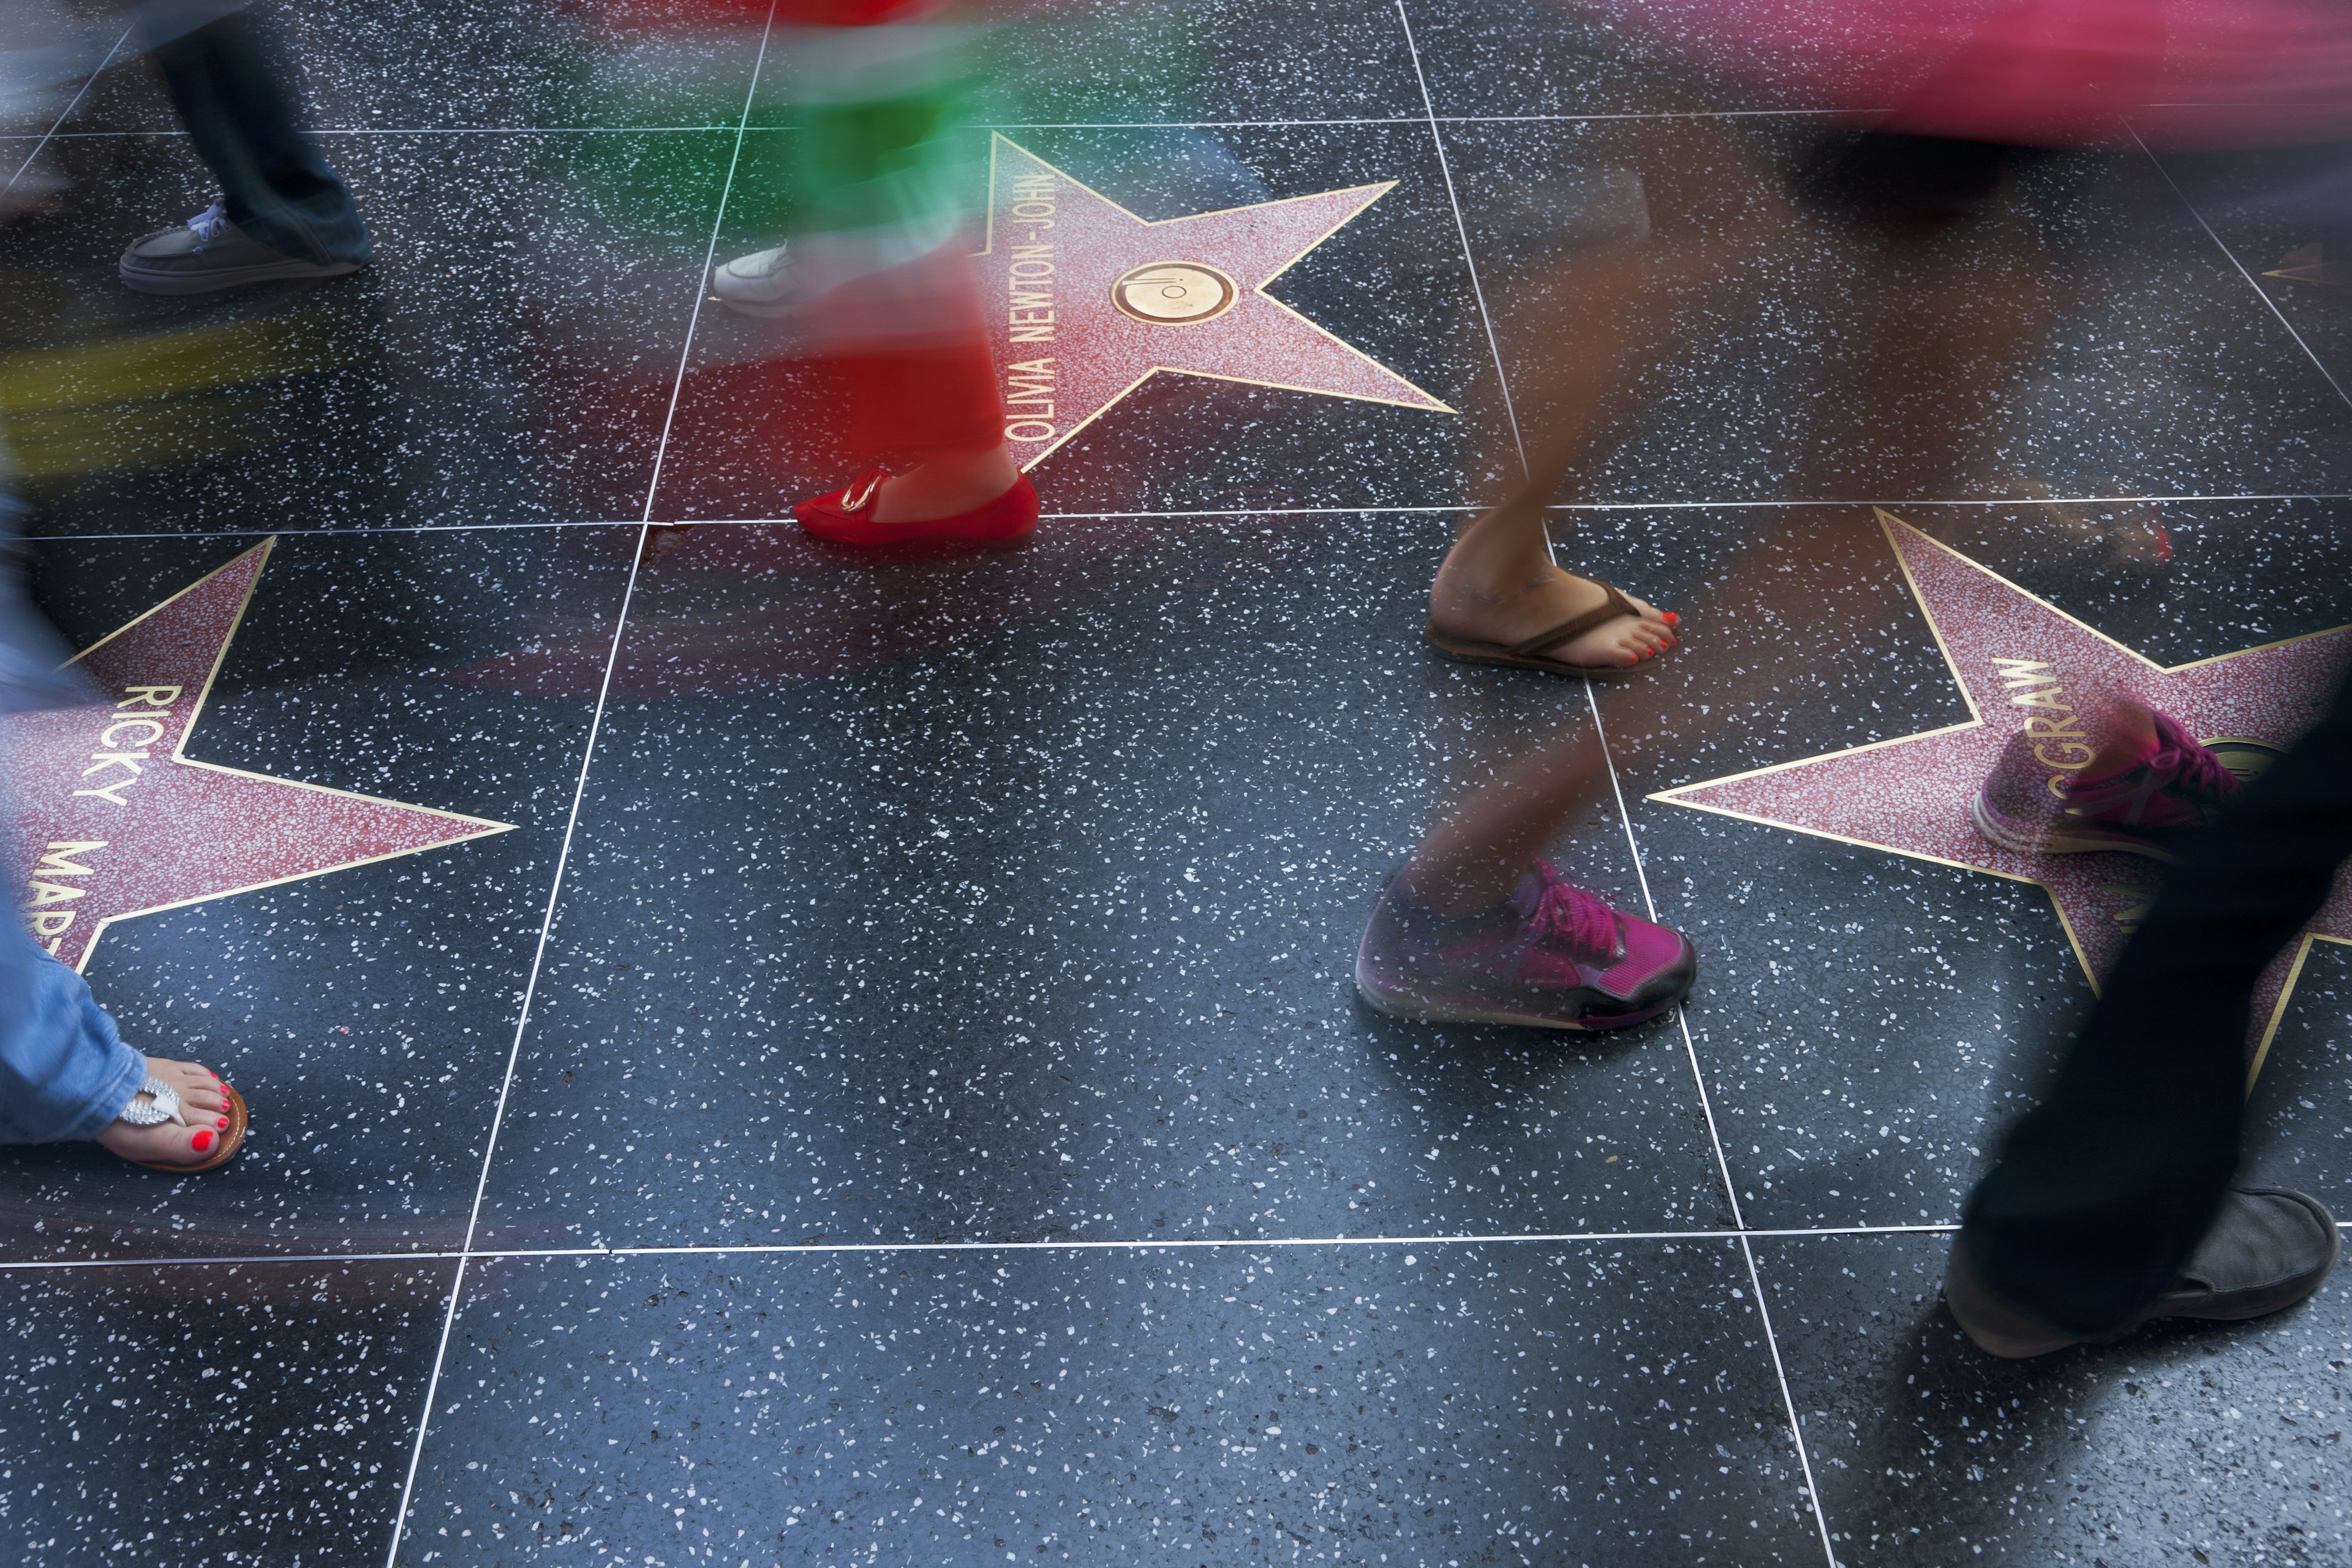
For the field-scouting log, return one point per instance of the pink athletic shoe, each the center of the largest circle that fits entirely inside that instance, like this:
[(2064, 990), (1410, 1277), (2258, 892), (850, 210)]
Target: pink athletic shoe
[(1553, 957), (2174, 789)]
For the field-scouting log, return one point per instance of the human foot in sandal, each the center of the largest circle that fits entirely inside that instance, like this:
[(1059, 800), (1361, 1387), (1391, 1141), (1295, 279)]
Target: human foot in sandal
[(183, 1119), (1553, 620)]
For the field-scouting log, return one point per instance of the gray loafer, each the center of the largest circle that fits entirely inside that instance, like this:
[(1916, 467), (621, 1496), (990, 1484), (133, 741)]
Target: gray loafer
[(208, 252), (2268, 1248)]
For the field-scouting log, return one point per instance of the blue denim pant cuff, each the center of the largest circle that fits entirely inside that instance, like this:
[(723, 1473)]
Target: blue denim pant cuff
[(125, 1073)]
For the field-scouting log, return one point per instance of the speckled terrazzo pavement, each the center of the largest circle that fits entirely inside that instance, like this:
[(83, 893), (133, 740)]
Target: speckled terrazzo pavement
[(892, 1091)]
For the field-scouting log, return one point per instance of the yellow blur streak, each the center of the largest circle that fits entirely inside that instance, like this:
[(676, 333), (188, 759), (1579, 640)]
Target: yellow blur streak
[(126, 402)]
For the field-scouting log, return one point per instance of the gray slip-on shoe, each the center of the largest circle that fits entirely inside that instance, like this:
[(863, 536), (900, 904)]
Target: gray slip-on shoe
[(2267, 1249), (208, 252)]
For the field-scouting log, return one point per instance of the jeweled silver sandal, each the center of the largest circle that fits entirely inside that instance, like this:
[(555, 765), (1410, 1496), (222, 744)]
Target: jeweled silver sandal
[(163, 1105)]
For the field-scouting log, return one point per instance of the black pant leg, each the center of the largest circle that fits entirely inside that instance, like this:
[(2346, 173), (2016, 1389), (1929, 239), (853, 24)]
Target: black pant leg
[(2104, 1190), (274, 183)]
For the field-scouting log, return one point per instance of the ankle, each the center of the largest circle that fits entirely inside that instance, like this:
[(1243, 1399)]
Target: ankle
[(1504, 554), (946, 483), (1451, 892), (2130, 737), (1465, 590)]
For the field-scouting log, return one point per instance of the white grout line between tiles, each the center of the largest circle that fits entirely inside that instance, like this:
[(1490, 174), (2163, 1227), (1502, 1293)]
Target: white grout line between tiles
[(1796, 1430), (1650, 908), (51, 133), (1715, 1141), (2260, 293), (1897, 506), (1788, 1401), (1461, 229), (572, 818), (1079, 1244)]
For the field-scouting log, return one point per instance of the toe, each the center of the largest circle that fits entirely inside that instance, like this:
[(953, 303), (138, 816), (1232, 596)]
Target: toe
[(204, 1100), (199, 1088)]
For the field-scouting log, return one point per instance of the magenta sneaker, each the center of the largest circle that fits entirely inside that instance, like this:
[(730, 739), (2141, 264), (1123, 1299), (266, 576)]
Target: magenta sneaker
[(2174, 791), (1554, 957)]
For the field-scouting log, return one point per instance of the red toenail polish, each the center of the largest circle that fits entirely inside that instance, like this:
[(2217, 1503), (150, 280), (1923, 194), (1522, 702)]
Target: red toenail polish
[(222, 1124), (1673, 619), (202, 1140)]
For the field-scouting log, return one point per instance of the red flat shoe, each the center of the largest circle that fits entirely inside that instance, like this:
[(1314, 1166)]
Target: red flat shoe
[(846, 515)]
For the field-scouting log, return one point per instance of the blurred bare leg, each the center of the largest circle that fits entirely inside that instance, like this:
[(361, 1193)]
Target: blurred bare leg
[(1499, 583), (2130, 735), (1937, 364), (1607, 313), (1477, 855)]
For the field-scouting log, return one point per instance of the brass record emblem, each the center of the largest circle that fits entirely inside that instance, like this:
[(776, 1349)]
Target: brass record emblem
[(1174, 293), (2247, 759)]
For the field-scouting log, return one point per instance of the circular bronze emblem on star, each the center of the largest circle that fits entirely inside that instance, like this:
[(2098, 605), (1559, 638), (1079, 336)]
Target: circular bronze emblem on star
[(1174, 293), (2246, 758)]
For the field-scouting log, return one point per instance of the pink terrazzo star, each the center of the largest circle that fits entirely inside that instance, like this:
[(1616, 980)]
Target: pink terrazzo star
[(113, 821), (2016, 657), (1085, 300)]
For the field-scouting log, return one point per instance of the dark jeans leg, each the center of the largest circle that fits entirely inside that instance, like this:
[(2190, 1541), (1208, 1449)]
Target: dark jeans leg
[(274, 185), (2104, 1189)]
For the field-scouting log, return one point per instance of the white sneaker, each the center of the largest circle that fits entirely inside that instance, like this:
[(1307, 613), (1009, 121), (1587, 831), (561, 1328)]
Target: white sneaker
[(757, 285)]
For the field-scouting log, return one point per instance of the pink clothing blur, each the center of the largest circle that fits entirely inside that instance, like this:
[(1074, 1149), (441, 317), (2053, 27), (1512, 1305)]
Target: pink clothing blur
[(2035, 72)]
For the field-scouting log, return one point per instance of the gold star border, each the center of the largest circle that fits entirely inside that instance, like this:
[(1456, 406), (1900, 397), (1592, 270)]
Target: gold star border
[(1888, 522), (485, 826), (998, 140)]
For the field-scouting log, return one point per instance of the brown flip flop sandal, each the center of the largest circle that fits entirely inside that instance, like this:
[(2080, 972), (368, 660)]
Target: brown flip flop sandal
[(1523, 654), (166, 1108)]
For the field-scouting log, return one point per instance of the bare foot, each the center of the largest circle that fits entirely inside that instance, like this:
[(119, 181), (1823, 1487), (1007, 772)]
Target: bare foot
[(1458, 609), (945, 484), (201, 1101)]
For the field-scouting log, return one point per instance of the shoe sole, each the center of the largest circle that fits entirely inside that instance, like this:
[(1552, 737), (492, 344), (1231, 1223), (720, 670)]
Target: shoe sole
[(1422, 1010), (1971, 1305), (2007, 1348), (1495, 656), (911, 539), (1997, 831), (1961, 1296), (747, 307), (140, 281), (821, 525)]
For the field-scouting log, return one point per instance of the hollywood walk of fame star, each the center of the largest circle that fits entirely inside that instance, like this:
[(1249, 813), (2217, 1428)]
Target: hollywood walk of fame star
[(2015, 658), (1085, 300), (114, 819)]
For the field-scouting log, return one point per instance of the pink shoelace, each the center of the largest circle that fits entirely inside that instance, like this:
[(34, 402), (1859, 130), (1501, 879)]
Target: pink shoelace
[(1554, 910), (2190, 763)]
